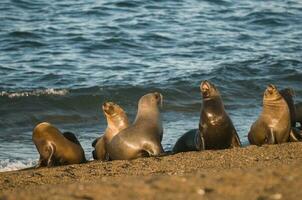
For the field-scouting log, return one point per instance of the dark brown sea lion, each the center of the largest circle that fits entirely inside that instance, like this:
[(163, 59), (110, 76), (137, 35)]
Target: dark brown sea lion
[(56, 148), (215, 125), (288, 95), (298, 114), (190, 141), (117, 120), (143, 137), (273, 125)]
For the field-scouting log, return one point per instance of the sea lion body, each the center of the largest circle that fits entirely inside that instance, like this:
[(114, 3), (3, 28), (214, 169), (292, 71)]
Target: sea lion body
[(274, 124), (117, 120), (215, 125), (298, 113), (190, 141), (143, 137), (55, 148), (288, 95)]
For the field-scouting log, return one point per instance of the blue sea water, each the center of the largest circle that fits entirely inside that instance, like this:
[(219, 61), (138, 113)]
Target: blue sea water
[(60, 60)]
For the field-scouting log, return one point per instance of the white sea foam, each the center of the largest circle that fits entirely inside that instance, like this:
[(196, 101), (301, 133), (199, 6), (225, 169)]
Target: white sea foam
[(38, 92), (11, 165)]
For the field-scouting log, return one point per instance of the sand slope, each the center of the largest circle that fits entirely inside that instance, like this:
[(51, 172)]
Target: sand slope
[(268, 172)]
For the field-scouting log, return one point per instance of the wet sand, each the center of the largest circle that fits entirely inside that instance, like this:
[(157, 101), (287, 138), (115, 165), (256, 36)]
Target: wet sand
[(260, 173)]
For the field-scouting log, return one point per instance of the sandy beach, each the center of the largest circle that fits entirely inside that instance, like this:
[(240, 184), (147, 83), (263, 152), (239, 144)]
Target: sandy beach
[(268, 172)]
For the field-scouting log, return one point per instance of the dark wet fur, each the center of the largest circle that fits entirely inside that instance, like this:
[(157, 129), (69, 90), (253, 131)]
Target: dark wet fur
[(188, 142), (288, 95), (71, 137)]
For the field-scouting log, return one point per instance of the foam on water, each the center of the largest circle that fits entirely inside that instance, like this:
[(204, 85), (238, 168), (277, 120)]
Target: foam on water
[(38, 92), (12, 165)]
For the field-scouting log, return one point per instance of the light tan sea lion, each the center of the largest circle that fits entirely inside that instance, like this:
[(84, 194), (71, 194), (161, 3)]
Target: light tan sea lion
[(215, 125), (117, 120), (273, 125), (143, 137), (56, 148)]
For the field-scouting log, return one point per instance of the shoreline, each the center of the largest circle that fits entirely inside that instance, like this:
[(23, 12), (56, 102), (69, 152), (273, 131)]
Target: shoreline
[(267, 172)]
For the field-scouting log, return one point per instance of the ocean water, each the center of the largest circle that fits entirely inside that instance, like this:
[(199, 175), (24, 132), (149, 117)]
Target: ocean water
[(60, 60)]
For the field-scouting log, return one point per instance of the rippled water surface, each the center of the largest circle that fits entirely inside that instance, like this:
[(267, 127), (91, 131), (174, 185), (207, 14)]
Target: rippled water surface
[(60, 60)]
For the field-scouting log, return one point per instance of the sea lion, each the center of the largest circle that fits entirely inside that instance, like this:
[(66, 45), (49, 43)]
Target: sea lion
[(288, 95), (273, 125), (190, 141), (56, 148), (298, 113), (143, 137), (215, 125), (117, 120)]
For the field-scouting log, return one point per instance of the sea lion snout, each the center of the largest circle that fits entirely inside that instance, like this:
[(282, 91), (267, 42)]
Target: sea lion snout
[(159, 98), (205, 88), (108, 107), (270, 90)]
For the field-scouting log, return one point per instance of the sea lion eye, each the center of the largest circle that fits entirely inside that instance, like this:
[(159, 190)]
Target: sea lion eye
[(157, 96)]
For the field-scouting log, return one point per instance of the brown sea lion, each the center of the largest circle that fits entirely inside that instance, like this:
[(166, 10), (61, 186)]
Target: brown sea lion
[(215, 125), (143, 137), (56, 148), (298, 114), (117, 120), (273, 125), (288, 95), (295, 134), (190, 141)]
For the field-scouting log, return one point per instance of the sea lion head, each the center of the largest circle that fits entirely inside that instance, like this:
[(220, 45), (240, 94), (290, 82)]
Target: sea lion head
[(208, 90), (271, 93), (111, 110), (151, 99)]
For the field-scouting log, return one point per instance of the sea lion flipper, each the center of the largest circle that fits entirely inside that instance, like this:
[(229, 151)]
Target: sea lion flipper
[(235, 140), (95, 141), (295, 135), (51, 148), (292, 136), (71, 137), (270, 137), (150, 149), (100, 149)]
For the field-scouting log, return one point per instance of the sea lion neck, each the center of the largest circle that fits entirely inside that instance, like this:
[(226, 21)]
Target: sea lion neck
[(274, 103), (213, 103), (117, 121), (147, 112)]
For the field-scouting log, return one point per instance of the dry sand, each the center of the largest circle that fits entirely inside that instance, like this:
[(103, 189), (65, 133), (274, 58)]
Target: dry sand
[(260, 173)]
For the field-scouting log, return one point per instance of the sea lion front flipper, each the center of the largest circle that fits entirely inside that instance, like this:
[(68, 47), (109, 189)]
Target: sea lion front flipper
[(270, 137), (235, 140), (51, 148)]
